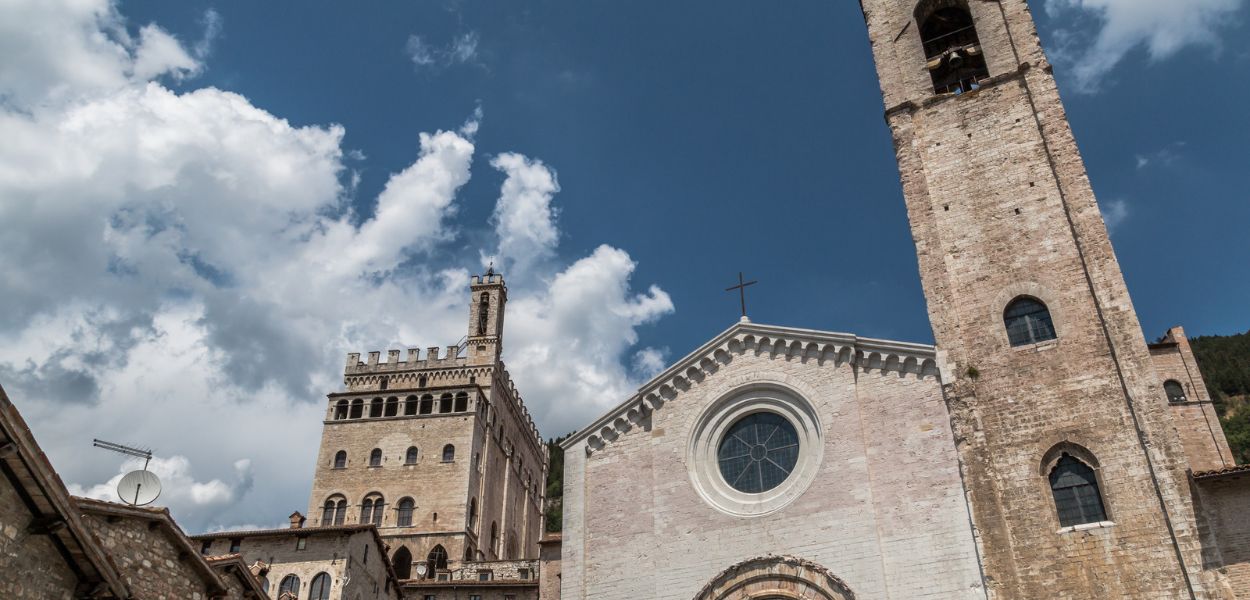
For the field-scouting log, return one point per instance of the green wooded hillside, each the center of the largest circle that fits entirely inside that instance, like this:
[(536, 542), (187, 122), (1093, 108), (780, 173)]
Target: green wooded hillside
[(1225, 364)]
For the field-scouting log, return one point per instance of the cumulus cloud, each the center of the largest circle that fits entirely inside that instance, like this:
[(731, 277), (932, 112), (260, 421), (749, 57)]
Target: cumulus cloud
[(1162, 27), (185, 270), (524, 218)]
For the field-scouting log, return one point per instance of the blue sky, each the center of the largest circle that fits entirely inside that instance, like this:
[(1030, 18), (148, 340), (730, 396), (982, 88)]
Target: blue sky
[(192, 205)]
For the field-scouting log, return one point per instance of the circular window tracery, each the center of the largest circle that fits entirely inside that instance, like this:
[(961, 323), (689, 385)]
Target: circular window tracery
[(758, 452), (755, 449)]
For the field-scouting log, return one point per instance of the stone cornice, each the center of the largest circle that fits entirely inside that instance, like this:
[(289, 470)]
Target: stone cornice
[(803, 344)]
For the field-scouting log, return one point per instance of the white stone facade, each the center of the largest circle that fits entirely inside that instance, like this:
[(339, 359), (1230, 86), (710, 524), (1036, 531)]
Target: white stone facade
[(883, 509)]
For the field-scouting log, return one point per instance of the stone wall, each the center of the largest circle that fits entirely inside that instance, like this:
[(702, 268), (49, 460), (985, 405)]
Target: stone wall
[(549, 573), (340, 554), (149, 560), (32, 566), (1196, 421), (1222, 503), (1000, 207), (884, 511)]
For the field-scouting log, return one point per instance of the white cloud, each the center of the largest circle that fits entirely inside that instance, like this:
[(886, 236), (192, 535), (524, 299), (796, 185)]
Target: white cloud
[(159, 53), (524, 219), (1163, 27), (184, 270), (198, 500), (463, 49), (1114, 213)]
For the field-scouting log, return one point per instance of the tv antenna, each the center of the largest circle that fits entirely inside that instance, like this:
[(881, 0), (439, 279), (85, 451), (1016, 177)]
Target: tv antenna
[(136, 488)]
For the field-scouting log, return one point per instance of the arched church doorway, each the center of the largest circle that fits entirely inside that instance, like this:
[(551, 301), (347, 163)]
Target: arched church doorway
[(763, 579)]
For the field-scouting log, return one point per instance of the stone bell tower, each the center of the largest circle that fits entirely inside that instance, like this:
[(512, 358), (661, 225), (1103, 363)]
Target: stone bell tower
[(1072, 467), (486, 310)]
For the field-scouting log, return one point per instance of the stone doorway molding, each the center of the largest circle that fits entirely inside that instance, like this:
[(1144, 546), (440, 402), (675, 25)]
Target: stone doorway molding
[(775, 578)]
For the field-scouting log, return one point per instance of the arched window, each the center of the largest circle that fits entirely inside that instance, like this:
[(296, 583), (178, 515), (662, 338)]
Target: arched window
[(494, 538), (340, 459), (375, 457), (340, 511), (264, 584), (410, 405), (421, 381), (449, 453), (358, 407), (483, 313), (1074, 486), (410, 457), (951, 48), (437, 561), (1028, 322), (375, 407), (472, 513), (392, 407), (340, 410), (372, 509), (427, 404), (462, 402), (1175, 391), (401, 560), (327, 512), (444, 403), (320, 587), (404, 517), (289, 585)]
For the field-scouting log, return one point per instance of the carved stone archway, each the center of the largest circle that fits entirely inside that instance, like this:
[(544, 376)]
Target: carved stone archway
[(775, 578)]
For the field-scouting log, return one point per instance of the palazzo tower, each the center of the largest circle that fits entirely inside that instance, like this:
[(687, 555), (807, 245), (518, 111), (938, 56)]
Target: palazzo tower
[(1072, 466)]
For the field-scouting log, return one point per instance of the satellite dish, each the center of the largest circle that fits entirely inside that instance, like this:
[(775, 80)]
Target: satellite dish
[(138, 488)]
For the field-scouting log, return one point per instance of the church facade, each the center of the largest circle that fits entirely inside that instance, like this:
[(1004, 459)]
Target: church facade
[(1041, 449)]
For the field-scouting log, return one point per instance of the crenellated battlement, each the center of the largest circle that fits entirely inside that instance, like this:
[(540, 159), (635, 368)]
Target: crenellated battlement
[(435, 358)]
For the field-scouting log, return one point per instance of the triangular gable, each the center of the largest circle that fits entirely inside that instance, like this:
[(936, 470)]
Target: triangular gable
[(868, 354)]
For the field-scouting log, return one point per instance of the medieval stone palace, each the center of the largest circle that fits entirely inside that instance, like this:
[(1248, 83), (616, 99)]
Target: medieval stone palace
[(1040, 449)]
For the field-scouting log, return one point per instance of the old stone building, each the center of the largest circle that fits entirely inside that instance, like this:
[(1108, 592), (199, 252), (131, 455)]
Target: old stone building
[(332, 562), (441, 455), (1041, 449)]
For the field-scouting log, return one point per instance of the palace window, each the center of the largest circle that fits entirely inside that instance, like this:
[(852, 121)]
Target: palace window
[(358, 407), (436, 561), (375, 408), (1028, 322), (372, 509), (427, 404), (404, 515), (289, 585), (421, 381), (952, 50), (449, 453), (375, 457), (334, 511), (483, 313), (1074, 486), (1175, 391), (410, 457), (444, 403), (758, 452), (320, 588), (392, 406), (401, 561), (462, 402), (472, 513), (340, 410), (410, 405), (340, 459)]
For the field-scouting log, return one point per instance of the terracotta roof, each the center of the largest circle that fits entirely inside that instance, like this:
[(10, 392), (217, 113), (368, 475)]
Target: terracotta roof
[(160, 517), (27, 468), (1218, 473)]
